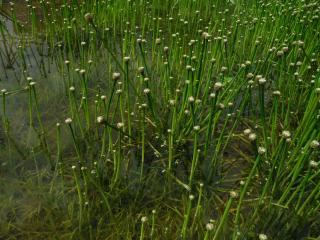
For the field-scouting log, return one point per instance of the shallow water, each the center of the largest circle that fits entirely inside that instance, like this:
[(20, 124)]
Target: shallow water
[(13, 75)]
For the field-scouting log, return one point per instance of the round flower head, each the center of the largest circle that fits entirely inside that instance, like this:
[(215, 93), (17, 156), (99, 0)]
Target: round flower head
[(103, 97), (196, 128), (233, 194), (191, 99), (217, 86), (144, 219), (32, 83), (276, 93), (120, 125), (280, 53), (314, 144), (285, 134), (262, 236), (88, 17), (126, 59), (158, 41), (261, 150), (252, 137), (224, 69), (146, 91), (141, 70), (212, 95), (247, 131), (209, 226), (262, 81), (205, 35), (115, 76), (68, 121), (100, 119), (221, 106), (250, 75), (172, 102), (313, 164)]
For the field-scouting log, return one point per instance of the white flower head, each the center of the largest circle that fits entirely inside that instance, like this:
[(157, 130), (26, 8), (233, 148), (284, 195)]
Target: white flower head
[(100, 119), (262, 81), (158, 41), (209, 226), (247, 131), (88, 17), (261, 150), (172, 102), (217, 86), (313, 164), (146, 91), (115, 76), (314, 144), (141, 70), (252, 137), (276, 93), (233, 194), (286, 134), (212, 95), (262, 236), (120, 125), (196, 128), (68, 121), (191, 99), (144, 219)]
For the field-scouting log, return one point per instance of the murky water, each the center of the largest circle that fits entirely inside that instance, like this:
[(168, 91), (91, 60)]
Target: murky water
[(20, 59)]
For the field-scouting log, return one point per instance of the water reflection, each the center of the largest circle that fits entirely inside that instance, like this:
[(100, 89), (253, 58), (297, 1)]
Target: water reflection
[(21, 58)]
